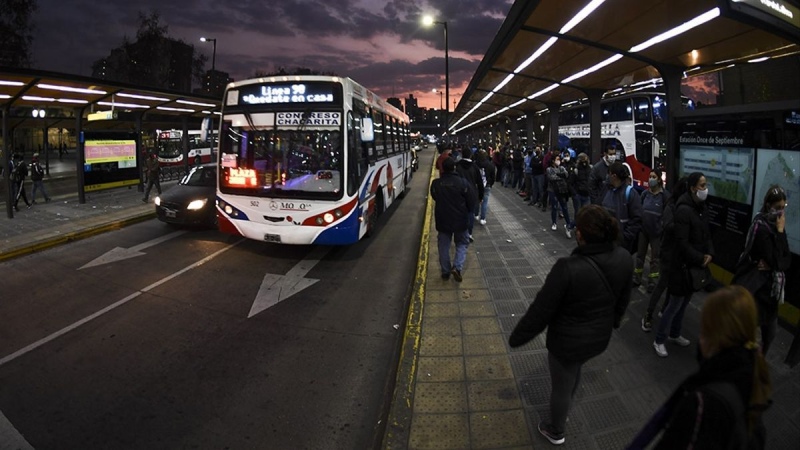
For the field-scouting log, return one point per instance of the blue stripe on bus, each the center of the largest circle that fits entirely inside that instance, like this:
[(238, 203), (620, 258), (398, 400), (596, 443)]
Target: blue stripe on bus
[(344, 233)]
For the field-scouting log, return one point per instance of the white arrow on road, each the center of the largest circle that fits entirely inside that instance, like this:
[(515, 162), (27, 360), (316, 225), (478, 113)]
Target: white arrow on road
[(276, 288), (119, 253)]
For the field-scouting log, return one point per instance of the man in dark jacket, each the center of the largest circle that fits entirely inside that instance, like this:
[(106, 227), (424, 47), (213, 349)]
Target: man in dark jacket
[(455, 205), (470, 171), (578, 320), (624, 203), (598, 183), (488, 172), (19, 171)]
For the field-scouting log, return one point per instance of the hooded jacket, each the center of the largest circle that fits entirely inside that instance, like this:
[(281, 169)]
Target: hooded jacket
[(455, 202), (692, 242)]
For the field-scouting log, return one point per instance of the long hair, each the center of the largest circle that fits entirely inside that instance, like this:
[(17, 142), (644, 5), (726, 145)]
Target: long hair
[(730, 319), (774, 194), (693, 178), (597, 225)]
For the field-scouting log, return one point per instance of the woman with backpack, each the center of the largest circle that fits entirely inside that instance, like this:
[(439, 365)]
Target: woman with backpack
[(766, 258), (720, 406)]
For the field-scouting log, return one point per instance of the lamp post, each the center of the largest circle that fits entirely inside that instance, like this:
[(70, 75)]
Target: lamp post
[(428, 21), (213, 52), (440, 98)]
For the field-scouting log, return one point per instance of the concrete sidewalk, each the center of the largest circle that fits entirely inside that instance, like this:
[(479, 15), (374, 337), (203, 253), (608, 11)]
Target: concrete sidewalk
[(460, 386)]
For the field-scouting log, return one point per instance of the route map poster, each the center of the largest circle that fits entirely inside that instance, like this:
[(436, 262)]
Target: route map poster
[(781, 167), (109, 160)]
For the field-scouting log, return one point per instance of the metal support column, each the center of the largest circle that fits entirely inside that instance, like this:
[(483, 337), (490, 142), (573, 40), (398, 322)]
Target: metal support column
[(529, 129), (595, 120), (7, 164), (672, 76), (554, 108), (185, 143), (80, 146)]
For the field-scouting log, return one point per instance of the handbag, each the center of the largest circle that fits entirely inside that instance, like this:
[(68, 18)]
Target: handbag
[(699, 277), (746, 273)]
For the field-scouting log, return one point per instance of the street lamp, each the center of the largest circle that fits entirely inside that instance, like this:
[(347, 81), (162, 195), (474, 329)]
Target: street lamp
[(440, 98), (213, 53), (428, 21)]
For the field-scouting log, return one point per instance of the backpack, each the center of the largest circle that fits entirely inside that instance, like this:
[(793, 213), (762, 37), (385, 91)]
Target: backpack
[(740, 438), (21, 171)]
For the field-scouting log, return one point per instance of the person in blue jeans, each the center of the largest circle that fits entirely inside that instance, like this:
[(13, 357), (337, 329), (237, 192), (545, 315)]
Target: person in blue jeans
[(693, 248), (455, 202), (489, 173)]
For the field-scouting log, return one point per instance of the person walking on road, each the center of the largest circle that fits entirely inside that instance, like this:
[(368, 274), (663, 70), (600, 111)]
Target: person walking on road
[(578, 320), (37, 177), (19, 171), (456, 200), (693, 249), (721, 405), (763, 264), (153, 172)]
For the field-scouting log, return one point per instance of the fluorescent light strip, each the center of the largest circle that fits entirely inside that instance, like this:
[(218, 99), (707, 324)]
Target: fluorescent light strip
[(11, 83), (582, 14), (166, 108), (4, 96), (187, 102), (71, 100), (122, 105), (503, 83), (594, 68), (549, 43), (543, 91), (680, 29), (758, 60), (142, 97), (34, 98), (70, 89)]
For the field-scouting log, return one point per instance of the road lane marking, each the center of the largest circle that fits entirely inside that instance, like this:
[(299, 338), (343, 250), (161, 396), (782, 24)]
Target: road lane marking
[(111, 307), (276, 288), (119, 253)]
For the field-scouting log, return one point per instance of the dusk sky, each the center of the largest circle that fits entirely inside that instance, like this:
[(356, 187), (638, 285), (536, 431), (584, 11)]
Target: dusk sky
[(379, 43)]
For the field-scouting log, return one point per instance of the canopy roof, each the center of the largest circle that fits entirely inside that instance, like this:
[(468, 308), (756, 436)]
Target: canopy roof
[(552, 52)]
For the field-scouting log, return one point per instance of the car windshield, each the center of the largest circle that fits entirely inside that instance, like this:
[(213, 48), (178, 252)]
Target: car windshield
[(201, 176)]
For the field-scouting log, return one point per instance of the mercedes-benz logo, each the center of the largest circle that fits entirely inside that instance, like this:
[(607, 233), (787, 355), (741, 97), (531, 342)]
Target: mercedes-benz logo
[(273, 205)]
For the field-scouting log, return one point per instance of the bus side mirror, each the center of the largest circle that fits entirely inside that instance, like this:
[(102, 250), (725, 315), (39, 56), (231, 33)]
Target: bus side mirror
[(367, 130)]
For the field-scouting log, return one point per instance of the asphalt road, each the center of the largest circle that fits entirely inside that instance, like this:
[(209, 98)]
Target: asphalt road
[(157, 350)]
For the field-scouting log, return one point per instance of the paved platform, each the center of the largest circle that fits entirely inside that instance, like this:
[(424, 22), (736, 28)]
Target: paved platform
[(461, 386)]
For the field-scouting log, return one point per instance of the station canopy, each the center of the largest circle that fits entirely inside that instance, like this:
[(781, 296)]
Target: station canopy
[(553, 52), (63, 96)]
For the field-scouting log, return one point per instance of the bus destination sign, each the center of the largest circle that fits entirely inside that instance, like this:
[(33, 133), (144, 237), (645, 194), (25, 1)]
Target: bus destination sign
[(287, 94)]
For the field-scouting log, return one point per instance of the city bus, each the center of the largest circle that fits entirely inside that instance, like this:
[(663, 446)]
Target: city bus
[(634, 124), (308, 160), (169, 147)]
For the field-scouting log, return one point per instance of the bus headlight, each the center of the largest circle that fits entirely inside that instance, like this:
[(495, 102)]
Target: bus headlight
[(196, 204), (328, 218)]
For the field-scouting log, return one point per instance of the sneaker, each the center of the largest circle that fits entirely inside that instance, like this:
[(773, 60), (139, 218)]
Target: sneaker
[(554, 227), (660, 313), (477, 217), (660, 349), (471, 239), (547, 431), (456, 274), (680, 340), (483, 221), (569, 234), (647, 323)]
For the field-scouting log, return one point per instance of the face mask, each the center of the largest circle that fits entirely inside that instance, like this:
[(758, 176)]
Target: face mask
[(611, 158), (653, 183), (558, 163), (566, 158), (701, 195)]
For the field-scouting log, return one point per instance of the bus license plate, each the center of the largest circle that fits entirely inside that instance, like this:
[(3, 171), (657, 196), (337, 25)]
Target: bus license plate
[(272, 238)]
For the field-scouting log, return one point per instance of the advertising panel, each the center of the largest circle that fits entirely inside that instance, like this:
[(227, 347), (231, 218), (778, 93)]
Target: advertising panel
[(109, 160)]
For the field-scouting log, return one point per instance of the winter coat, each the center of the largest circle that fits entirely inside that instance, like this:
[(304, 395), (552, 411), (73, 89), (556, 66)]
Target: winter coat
[(692, 242), (625, 204), (598, 183), (579, 179), (469, 170), (696, 402), (489, 171), (37, 171), (579, 320), (773, 248), (455, 202), (652, 209), (536, 165), (556, 176)]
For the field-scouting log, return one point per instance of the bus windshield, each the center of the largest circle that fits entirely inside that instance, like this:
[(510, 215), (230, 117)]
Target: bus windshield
[(305, 163)]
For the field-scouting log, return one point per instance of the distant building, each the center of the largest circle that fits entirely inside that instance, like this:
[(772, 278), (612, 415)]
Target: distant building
[(214, 82), (396, 102)]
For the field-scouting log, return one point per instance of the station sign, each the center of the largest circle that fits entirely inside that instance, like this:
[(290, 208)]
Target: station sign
[(767, 11)]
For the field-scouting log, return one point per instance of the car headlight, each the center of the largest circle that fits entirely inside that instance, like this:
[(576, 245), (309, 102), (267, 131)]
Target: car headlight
[(196, 204), (158, 201)]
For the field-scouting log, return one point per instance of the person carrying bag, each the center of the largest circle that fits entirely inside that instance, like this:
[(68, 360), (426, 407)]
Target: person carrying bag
[(764, 261)]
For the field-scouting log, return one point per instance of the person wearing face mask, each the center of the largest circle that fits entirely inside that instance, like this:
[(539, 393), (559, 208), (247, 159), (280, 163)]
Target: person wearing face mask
[(599, 180), (693, 248), (578, 320), (653, 201), (766, 258), (558, 188), (579, 177), (622, 201)]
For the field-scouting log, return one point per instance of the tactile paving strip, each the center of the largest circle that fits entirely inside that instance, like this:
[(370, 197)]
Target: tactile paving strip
[(616, 439), (499, 282), (604, 412), (508, 308), (489, 271), (439, 431), (440, 398), (528, 364), (506, 294), (593, 382), (535, 390)]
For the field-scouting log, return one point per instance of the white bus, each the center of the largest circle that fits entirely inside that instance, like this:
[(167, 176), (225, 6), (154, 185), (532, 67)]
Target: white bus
[(308, 159), (634, 124), (169, 147)]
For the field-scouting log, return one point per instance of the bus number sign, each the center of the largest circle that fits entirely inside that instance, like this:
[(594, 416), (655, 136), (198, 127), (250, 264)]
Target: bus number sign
[(288, 93)]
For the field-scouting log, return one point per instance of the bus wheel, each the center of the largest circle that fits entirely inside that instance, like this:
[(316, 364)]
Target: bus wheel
[(376, 213), (197, 160)]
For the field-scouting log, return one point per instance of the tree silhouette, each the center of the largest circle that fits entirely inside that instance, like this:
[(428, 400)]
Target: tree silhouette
[(16, 32)]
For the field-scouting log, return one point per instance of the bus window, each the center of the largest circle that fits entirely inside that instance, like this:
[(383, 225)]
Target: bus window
[(380, 131)]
